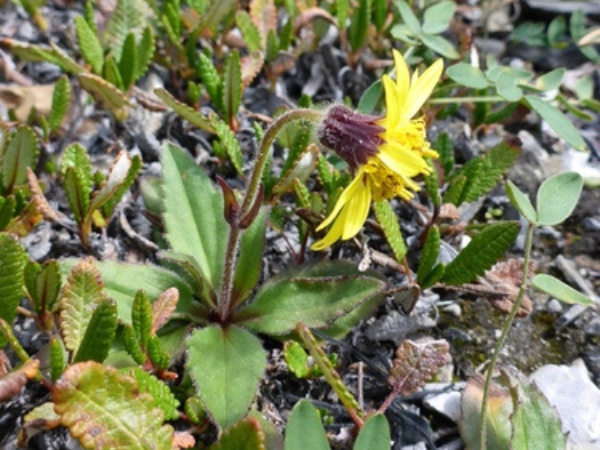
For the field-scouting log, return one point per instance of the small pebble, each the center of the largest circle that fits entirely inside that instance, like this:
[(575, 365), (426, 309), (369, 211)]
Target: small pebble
[(453, 309), (593, 327), (554, 306)]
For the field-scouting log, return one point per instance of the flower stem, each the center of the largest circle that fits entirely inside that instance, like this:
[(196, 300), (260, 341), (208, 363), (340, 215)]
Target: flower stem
[(503, 335), (235, 230), (484, 99)]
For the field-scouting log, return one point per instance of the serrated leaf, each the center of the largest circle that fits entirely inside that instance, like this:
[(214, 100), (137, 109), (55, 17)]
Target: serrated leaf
[(158, 355), (158, 390), (342, 8), (111, 73), (61, 97), (163, 307), (76, 173), (12, 383), (210, 79), (251, 35), (557, 198), (219, 358), (481, 253), (374, 435), (141, 318), (8, 207), (243, 435), (104, 409), (99, 333), (232, 86), (559, 290), (145, 53), (129, 16), (437, 18), (391, 228), (359, 24), (304, 429), (90, 46), (43, 284), (129, 61), (153, 279), (264, 17), (443, 145), (131, 345), (408, 17), (316, 295), (467, 75), (12, 272), (214, 14), (183, 110), (57, 359), (429, 255), (80, 295), (106, 93), (194, 213), (249, 264), (521, 202), (229, 141), (380, 11), (21, 152), (557, 121)]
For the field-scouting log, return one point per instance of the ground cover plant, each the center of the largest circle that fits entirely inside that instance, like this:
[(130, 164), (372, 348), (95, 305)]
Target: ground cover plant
[(221, 223)]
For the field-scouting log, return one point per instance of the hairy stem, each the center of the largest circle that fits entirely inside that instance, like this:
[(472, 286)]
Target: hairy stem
[(235, 231), (6, 329), (502, 339)]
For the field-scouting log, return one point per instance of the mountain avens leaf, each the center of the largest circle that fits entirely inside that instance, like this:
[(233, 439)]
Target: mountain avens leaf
[(43, 284), (21, 152), (429, 255), (141, 318), (129, 16), (219, 358), (210, 79), (129, 61), (229, 141), (305, 430), (76, 173), (557, 198), (12, 268), (484, 250), (249, 31), (391, 228), (160, 392), (194, 213), (183, 110), (104, 409), (99, 333), (359, 24), (61, 97), (145, 51), (90, 46)]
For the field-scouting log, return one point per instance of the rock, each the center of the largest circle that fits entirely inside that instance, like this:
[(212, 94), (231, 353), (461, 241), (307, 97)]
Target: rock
[(554, 306), (593, 327), (447, 402), (576, 399)]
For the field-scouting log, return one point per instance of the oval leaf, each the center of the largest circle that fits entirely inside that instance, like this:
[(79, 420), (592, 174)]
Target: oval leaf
[(437, 17), (374, 435), (467, 75), (304, 430), (559, 290), (557, 198), (521, 202)]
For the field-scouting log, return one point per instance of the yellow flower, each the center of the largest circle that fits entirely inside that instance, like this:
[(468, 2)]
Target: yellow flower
[(387, 152)]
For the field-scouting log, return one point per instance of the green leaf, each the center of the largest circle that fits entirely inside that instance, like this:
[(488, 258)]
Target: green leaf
[(296, 358), (370, 98), (215, 14), (551, 80), (484, 250), (374, 435), (359, 24), (467, 75), (341, 8), (106, 93), (243, 435), (557, 121), (557, 198), (160, 392), (535, 423), (99, 333), (118, 175), (128, 62), (141, 318), (194, 213), (81, 294), (304, 430), (429, 256), (184, 111), (104, 409), (210, 79), (232, 86), (112, 74), (559, 290), (379, 15), (229, 141), (408, 17), (521, 202), (440, 45), (145, 53), (121, 187), (21, 152), (43, 284), (443, 145), (12, 269), (556, 31), (76, 173), (37, 53), (8, 207), (219, 358), (122, 282), (57, 359), (249, 31), (316, 295), (250, 261), (437, 17), (129, 16), (578, 30), (61, 97), (391, 228), (90, 46)]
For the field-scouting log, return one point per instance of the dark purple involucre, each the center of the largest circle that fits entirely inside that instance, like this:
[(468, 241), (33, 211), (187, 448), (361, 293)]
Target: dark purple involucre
[(353, 136)]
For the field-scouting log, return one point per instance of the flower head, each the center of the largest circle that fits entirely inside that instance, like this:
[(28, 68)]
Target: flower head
[(385, 152)]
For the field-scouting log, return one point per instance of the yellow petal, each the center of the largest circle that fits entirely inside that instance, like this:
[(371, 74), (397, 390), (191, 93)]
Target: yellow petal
[(356, 212), (402, 77), (400, 160), (344, 198), (421, 89), (392, 116), (332, 236)]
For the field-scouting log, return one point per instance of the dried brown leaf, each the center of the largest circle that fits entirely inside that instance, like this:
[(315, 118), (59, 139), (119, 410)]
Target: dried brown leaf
[(312, 14), (251, 66), (183, 439), (11, 384), (163, 307), (264, 16), (24, 99), (416, 363), (505, 277), (39, 198)]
